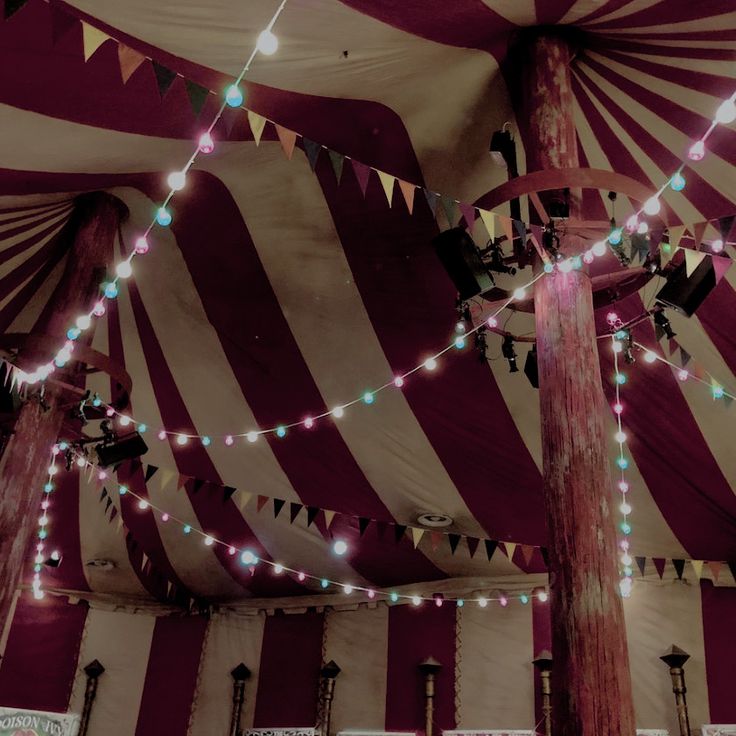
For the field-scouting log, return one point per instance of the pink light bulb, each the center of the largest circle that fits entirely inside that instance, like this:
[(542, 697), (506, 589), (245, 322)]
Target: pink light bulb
[(164, 517), (492, 322), (623, 486), (398, 381), (612, 318), (141, 245), (632, 223), (102, 475), (588, 256), (229, 440), (371, 593), (697, 151), (504, 601), (717, 245), (231, 550), (302, 577), (683, 375), (99, 309), (110, 412), (618, 408), (309, 423), (162, 435), (206, 144)]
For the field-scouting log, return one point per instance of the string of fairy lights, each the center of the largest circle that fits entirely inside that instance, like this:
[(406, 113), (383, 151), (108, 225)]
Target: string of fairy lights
[(42, 532), (251, 561)]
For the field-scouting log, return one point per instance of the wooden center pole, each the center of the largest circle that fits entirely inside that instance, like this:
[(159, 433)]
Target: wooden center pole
[(90, 231), (592, 696)]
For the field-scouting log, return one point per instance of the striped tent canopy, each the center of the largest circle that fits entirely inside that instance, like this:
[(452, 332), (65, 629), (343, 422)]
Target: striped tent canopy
[(293, 281)]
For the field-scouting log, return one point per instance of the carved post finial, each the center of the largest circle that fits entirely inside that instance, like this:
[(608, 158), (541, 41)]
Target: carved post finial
[(675, 659), (429, 669), (240, 674), (543, 663), (328, 674), (93, 671)]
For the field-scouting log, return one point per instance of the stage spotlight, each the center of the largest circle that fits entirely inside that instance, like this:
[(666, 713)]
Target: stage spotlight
[(660, 319), (116, 449), (530, 367), (508, 352)]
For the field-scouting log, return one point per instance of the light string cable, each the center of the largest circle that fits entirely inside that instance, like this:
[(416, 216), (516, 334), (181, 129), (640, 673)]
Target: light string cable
[(250, 560), (40, 558), (266, 44), (716, 387), (337, 412)]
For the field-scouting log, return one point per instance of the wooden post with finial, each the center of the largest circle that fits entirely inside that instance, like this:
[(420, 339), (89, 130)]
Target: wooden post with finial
[(429, 669), (239, 674), (93, 671), (675, 659)]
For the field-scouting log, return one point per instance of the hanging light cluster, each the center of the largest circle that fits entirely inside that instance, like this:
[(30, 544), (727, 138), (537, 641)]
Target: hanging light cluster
[(249, 559), (266, 44), (42, 532)]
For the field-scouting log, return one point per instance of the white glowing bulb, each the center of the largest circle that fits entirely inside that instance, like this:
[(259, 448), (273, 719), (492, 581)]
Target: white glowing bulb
[(482, 602), (278, 568), (726, 113), (143, 504), (650, 357), (124, 421), (81, 462), (542, 596), (620, 437), (340, 547), (652, 206), (348, 589), (252, 436), (124, 269), (625, 508), (176, 180), (565, 266), (182, 439), (209, 541), (38, 594), (617, 346), (643, 228), (267, 42), (43, 521), (632, 223), (717, 246), (248, 558), (626, 559), (600, 248), (416, 600), (338, 412), (53, 470), (84, 321), (519, 293), (430, 364)]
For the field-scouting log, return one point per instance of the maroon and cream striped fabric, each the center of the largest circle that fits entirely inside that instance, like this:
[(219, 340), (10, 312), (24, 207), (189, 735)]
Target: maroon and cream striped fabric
[(277, 292), (172, 675)]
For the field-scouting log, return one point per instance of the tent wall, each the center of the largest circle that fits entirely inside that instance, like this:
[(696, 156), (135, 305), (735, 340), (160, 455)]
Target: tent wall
[(172, 675)]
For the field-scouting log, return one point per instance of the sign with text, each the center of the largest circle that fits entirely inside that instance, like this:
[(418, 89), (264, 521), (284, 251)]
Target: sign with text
[(22, 722), (722, 729)]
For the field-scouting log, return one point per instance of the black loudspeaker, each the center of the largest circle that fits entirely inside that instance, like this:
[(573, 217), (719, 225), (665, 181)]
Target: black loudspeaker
[(124, 448), (462, 262), (686, 294)]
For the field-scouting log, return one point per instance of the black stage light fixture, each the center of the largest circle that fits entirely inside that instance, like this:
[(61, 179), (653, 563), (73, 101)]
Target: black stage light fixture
[(660, 319), (686, 293), (461, 259), (508, 352), (127, 447), (54, 560), (530, 367), (503, 150)]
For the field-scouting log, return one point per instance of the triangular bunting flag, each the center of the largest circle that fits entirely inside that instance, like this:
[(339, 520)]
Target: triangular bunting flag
[(454, 541), (431, 198), (165, 477), (545, 555), (150, 472), (103, 495), (698, 232), (387, 182), (676, 234), (129, 60), (468, 213), (164, 77), (92, 38), (508, 228), (449, 206), (61, 21), (693, 258), (312, 512), (491, 546), (228, 492), (399, 531), (720, 266), (472, 543), (362, 174), (520, 229), (108, 503), (257, 124), (363, 524), (526, 552), (510, 549), (407, 189), (278, 504), (724, 226), (337, 160), (144, 560), (197, 95), (197, 485), (182, 480), (294, 509), (489, 220), (169, 586), (435, 538), (381, 527), (13, 6), (685, 357), (329, 516), (113, 513), (659, 563), (311, 149), (641, 563), (261, 501), (679, 566), (244, 498), (287, 138), (697, 568), (715, 569), (416, 535)]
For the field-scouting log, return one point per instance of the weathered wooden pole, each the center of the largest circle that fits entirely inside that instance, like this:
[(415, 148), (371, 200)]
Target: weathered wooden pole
[(240, 674), (93, 671), (592, 694), (90, 234), (543, 663), (675, 659), (429, 669), (328, 674)]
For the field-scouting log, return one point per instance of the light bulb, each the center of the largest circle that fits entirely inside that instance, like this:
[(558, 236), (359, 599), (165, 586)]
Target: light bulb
[(347, 589), (623, 486), (368, 397), (164, 517), (697, 151), (122, 490), (652, 206), (124, 270), (625, 508), (281, 431), (416, 600), (233, 96), (726, 112), (459, 342), (620, 437), (84, 321), (163, 216), (519, 293), (181, 439), (252, 436), (229, 440), (618, 408), (81, 462), (398, 381), (599, 249), (338, 412), (267, 42), (717, 246), (324, 582), (231, 551), (626, 559), (371, 593), (206, 144), (176, 180), (587, 256), (503, 601), (308, 423), (617, 346), (302, 577), (524, 598), (548, 268), (682, 375), (53, 470), (209, 541), (632, 223), (643, 228), (492, 322), (142, 504), (99, 309), (650, 357), (615, 237), (565, 266), (111, 290), (206, 441), (340, 547), (162, 434), (677, 182), (460, 602), (278, 568), (542, 596), (430, 364), (248, 558), (620, 379), (141, 245), (124, 421), (394, 596), (482, 602)]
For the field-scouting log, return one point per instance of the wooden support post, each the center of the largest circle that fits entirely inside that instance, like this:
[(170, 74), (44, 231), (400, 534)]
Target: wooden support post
[(328, 675), (429, 668), (675, 659), (543, 663), (90, 234), (240, 674), (593, 694), (93, 671)]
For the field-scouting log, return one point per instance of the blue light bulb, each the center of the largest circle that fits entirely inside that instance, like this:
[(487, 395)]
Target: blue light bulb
[(394, 597), (281, 431), (626, 527), (163, 216), (524, 598), (677, 182), (111, 290), (549, 267), (459, 342), (187, 529), (620, 379), (368, 397), (73, 333), (122, 490), (206, 441), (233, 96), (460, 602), (622, 462), (142, 428), (615, 237), (324, 582)]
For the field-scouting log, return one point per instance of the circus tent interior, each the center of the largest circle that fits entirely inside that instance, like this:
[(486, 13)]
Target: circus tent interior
[(367, 367)]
